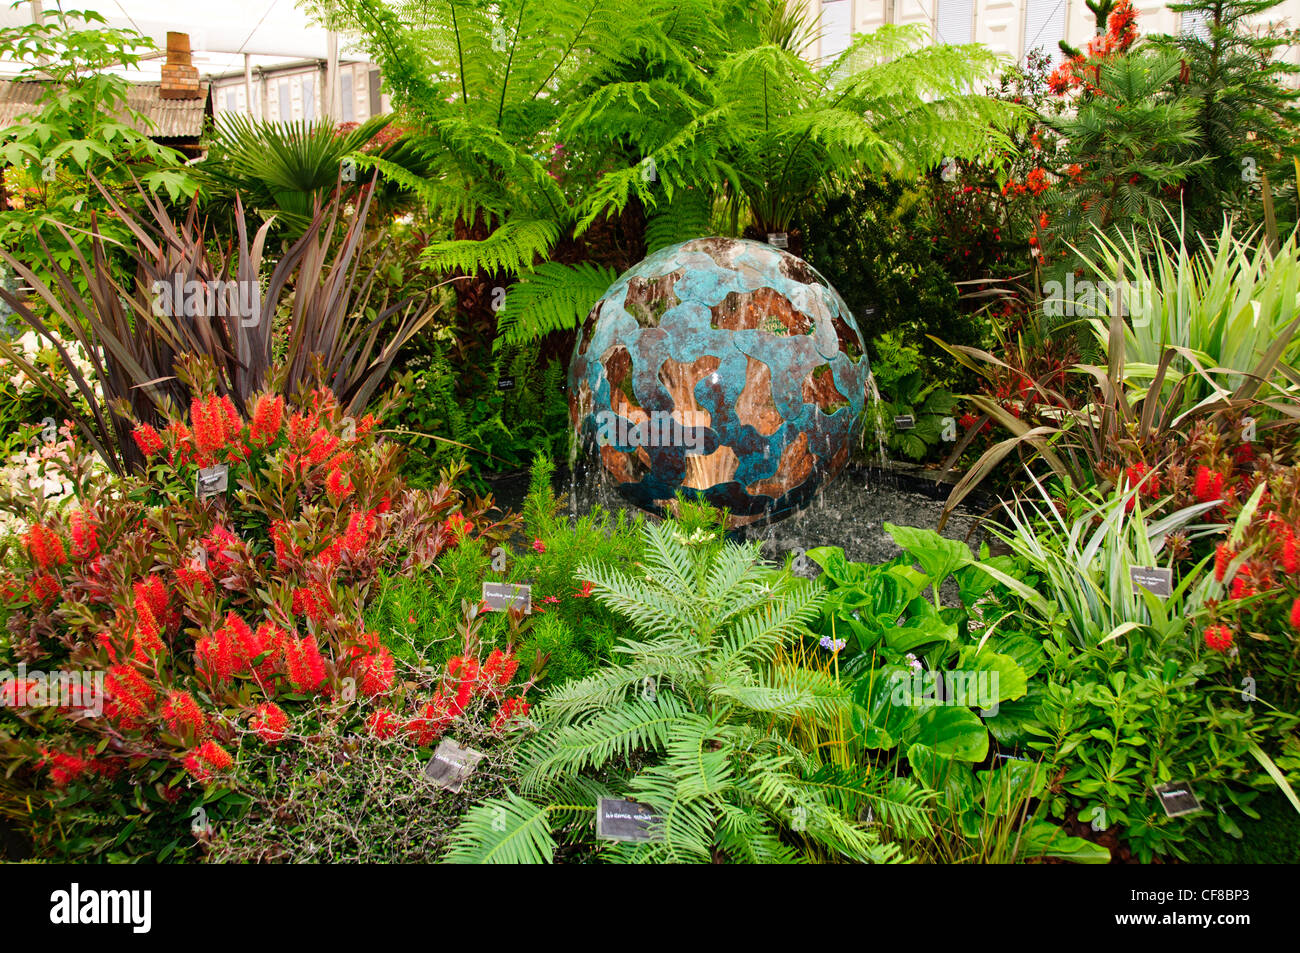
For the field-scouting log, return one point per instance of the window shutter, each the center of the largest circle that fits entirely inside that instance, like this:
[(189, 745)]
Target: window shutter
[(837, 27), (1044, 27), (954, 21)]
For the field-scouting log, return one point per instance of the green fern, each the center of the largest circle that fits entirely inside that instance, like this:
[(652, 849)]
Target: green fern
[(702, 721)]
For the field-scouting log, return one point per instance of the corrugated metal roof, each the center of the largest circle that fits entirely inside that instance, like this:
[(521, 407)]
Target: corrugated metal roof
[(170, 118)]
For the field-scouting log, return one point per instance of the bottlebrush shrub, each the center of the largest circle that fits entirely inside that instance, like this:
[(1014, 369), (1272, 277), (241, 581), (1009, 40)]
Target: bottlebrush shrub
[(206, 619), (1255, 623)]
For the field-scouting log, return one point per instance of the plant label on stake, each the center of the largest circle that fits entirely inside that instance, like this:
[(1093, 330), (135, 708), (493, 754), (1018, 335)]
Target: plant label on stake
[(1177, 799), (1154, 579), (211, 481), (451, 765), (778, 239), (500, 596), (505, 383), (904, 422), (617, 819)]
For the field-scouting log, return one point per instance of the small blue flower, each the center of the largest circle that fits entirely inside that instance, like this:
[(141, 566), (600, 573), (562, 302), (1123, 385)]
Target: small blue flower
[(833, 645)]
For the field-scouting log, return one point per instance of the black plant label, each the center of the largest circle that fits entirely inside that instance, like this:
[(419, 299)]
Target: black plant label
[(500, 596), (617, 819), (1154, 579)]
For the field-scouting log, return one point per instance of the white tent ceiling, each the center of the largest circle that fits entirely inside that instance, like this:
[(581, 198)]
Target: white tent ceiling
[(272, 31)]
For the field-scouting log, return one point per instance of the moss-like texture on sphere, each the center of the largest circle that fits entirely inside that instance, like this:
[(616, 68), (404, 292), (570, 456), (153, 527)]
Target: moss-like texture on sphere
[(725, 368)]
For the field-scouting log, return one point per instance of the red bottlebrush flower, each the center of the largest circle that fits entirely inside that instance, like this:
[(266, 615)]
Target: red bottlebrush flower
[(357, 537), (467, 670), (183, 715), (306, 668), (300, 425), (131, 695), (377, 672), (147, 439), (498, 670), (510, 710), (1241, 588), (1209, 484), (313, 601), (337, 486), (457, 526), (147, 643), (152, 592), (64, 766), (194, 575), (210, 426), (207, 759), (285, 551), (83, 527), (365, 425), (14, 694), (218, 543), (270, 723), (382, 724), (1290, 552), (1295, 615), (431, 722), (320, 446), (1223, 557), (45, 547), (1218, 637), (226, 651), (267, 645), (268, 414), (44, 588), (1244, 453), (539, 546), (385, 504)]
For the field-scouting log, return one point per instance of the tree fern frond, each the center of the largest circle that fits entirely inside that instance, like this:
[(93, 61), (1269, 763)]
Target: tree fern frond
[(551, 297), (514, 246)]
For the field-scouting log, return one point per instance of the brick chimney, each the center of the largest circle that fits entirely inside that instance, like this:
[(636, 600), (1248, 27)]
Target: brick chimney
[(180, 79)]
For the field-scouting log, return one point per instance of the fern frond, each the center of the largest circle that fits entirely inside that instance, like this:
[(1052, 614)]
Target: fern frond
[(551, 297), (508, 830)]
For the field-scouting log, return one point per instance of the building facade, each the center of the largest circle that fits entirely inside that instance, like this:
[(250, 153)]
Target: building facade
[(1010, 27), (295, 91)]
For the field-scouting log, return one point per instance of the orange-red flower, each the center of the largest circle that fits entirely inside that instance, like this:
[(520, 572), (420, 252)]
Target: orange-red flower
[(1218, 637), (45, 547), (270, 723)]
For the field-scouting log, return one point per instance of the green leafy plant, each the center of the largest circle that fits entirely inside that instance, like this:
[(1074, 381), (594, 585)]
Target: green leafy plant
[(694, 724), (81, 130), (136, 337), (907, 388), (281, 169)]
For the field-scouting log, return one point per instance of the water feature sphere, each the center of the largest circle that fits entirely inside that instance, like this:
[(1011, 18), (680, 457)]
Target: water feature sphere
[(722, 367)]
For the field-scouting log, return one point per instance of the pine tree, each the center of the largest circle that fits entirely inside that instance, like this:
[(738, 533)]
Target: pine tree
[(1246, 107)]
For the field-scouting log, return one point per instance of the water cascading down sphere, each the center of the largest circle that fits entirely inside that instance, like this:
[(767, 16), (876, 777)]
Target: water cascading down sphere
[(725, 368)]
